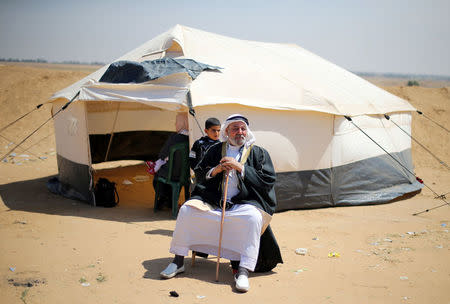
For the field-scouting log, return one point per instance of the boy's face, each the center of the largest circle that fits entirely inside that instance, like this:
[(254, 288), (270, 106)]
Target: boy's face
[(213, 132)]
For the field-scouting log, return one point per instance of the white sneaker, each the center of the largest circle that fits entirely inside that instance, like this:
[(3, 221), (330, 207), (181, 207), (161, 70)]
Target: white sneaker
[(171, 271), (242, 283)]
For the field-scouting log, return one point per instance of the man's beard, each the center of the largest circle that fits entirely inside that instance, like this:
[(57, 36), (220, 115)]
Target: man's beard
[(238, 140)]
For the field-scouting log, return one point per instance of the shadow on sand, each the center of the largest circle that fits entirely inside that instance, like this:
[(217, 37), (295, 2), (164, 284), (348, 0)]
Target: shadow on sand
[(33, 196)]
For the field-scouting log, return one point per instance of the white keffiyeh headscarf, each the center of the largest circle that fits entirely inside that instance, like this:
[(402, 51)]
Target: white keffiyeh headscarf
[(223, 137)]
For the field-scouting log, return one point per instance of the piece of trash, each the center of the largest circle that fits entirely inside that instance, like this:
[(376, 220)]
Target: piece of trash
[(173, 293), (141, 178), (127, 182), (12, 269), (43, 157), (445, 230), (201, 297), (52, 153), (443, 225), (300, 270), (388, 240), (85, 284), (334, 255), (403, 278), (439, 246), (433, 270), (424, 231), (301, 251), (101, 278), (375, 243), (406, 248), (12, 154), (4, 160), (411, 232), (405, 298), (24, 155), (315, 238), (20, 222)]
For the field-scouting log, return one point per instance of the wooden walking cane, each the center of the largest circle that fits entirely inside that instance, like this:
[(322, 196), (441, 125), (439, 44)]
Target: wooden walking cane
[(221, 225)]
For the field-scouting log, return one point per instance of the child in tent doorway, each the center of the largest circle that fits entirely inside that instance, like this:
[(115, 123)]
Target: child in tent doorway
[(160, 167)]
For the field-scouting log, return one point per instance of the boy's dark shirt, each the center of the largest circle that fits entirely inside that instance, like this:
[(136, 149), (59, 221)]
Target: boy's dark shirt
[(199, 148)]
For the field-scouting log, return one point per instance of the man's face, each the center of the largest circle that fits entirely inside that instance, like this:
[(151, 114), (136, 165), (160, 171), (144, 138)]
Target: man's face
[(237, 132), (213, 132)]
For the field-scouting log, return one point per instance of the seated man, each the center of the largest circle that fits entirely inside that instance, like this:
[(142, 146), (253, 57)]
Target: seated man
[(247, 240)]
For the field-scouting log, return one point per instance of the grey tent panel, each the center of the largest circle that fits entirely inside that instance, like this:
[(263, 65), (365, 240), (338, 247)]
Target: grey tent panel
[(74, 180), (374, 180)]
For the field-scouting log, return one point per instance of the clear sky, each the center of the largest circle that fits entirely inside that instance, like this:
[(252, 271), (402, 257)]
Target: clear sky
[(387, 36)]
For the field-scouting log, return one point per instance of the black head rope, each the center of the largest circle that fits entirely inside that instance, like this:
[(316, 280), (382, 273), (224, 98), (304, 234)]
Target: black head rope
[(404, 167), (50, 118), (426, 149)]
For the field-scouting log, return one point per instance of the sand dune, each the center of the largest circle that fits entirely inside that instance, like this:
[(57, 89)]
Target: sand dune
[(50, 245)]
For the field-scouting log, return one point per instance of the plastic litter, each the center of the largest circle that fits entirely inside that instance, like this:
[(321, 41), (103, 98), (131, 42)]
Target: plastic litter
[(443, 225), (141, 178), (85, 284), (315, 238), (201, 297), (12, 269), (439, 246), (12, 154), (334, 254), (411, 232), (388, 240), (173, 293), (4, 160), (301, 251), (375, 243), (43, 157), (24, 155), (127, 182), (403, 278)]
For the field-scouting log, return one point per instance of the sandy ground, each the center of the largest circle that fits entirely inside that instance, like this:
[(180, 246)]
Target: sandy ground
[(49, 245)]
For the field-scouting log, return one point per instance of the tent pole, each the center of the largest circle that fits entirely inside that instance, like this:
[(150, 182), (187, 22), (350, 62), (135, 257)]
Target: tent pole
[(112, 132)]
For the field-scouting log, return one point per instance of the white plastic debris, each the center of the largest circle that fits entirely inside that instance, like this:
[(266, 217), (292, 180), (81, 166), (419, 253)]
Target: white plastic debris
[(43, 157), (24, 155), (388, 240), (439, 246), (403, 278), (375, 243), (141, 178), (127, 182), (201, 297), (411, 232), (85, 284), (315, 238), (301, 251), (12, 154)]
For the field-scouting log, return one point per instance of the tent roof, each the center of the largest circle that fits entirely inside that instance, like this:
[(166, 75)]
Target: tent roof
[(255, 74)]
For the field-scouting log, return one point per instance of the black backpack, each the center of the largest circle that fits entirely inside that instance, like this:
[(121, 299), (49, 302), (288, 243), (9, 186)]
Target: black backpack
[(106, 193)]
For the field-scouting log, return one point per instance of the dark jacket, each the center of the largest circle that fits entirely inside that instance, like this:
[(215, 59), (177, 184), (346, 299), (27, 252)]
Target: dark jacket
[(256, 188)]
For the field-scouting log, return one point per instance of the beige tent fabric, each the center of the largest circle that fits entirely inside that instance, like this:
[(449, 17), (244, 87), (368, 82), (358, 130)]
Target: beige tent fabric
[(256, 74)]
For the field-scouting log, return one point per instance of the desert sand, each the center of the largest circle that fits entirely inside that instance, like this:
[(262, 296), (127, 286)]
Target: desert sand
[(56, 250)]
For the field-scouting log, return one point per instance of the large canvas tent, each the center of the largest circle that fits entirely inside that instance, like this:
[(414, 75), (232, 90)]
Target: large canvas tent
[(295, 101)]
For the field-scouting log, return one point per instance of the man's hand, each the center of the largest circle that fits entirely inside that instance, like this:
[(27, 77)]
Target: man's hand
[(227, 164)]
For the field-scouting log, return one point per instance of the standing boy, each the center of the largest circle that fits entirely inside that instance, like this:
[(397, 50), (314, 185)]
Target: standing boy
[(212, 130)]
